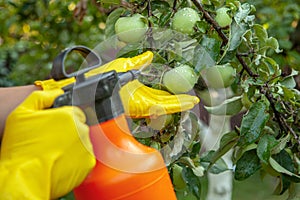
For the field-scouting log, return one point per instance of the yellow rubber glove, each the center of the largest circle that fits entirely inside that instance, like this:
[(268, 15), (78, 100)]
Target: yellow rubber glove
[(139, 101), (45, 153)]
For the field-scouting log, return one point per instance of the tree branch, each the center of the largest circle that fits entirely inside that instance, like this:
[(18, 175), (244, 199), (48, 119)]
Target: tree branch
[(279, 118), (245, 66), (174, 6), (211, 20), (150, 33), (103, 10)]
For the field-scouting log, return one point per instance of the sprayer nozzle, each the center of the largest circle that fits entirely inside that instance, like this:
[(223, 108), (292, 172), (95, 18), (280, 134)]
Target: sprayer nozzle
[(128, 76)]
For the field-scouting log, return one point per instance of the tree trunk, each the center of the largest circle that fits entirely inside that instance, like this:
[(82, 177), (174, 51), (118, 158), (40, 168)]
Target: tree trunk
[(219, 185)]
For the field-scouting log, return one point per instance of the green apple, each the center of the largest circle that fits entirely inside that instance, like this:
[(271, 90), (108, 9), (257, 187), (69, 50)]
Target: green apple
[(184, 20), (220, 76), (180, 79), (222, 17), (131, 29)]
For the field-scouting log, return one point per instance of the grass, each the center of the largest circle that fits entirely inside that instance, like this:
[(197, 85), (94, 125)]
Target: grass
[(256, 188), (253, 188)]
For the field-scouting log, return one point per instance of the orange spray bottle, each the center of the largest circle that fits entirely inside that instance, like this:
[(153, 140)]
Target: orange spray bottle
[(125, 169)]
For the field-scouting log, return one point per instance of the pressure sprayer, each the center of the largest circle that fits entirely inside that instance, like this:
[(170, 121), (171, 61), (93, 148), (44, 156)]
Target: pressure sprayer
[(125, 169)]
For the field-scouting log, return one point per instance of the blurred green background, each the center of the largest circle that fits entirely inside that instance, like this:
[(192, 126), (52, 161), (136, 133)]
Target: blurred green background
[(33, 32)]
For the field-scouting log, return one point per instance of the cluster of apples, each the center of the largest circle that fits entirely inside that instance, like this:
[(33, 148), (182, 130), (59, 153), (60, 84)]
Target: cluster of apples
[(132, 29)]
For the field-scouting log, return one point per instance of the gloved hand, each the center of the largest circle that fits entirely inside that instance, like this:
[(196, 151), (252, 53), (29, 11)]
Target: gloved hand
[(45, 153), (139, 101)]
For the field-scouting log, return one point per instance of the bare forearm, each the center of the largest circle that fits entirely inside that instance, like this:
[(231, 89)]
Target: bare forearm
[(10, 98)]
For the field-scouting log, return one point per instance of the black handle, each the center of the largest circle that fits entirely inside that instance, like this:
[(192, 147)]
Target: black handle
[(58, 71)]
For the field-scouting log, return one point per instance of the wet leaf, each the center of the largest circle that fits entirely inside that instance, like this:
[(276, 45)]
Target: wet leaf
[(281, 144), (192, 180), (264, 147), (212, 46), (228, 141), (202, 59), (283, 163), (247, 165), (253, 123), (213, 165)]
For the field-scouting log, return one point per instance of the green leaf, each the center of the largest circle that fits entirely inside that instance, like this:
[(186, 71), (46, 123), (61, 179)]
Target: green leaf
[(265, 41), (273, 43), (188, 131), (227, 57), (289, 82), (230, 106), (287, 94), (236, 33), (165, 18), (264, 147), (187, 161), (212, 46), (187, 49), (213, 165), (282, 186), (247, 165), (253, 123), (273, 67), (216, 164), (177, 179), (219, 167), (243, 11), (260, 32), (159, 5), (198, 170), (202, 59), (237, 30), (283, 163), (202, 26), (111, 20), (162, 38), (130, 50), (228, 139), (239, 152), (281, 144), (239, 27), (192, 180)]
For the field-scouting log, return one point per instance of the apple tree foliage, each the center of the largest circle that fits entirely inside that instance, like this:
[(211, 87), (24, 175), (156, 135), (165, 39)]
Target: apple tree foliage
[(235, 45), (227, 35)]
